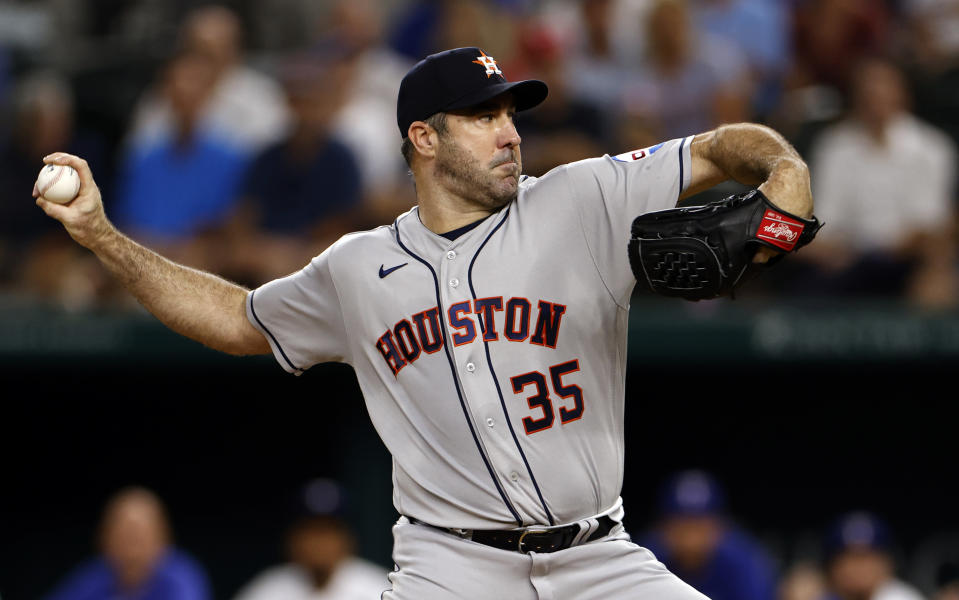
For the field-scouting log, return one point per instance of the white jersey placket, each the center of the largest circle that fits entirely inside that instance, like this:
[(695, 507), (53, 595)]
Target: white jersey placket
[(484, 396)]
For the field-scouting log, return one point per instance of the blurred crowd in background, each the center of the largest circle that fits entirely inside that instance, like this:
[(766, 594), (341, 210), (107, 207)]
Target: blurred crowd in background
[(694, 533), (244, 137), (139, 559)]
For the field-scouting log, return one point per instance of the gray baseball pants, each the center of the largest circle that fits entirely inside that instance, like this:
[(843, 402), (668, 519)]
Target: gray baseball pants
[(435, 565)]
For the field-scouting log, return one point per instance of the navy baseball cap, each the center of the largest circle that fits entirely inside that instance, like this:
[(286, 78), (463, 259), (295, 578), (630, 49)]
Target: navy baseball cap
[(320, 497), (691, 493), (456, 79), (859, 530)]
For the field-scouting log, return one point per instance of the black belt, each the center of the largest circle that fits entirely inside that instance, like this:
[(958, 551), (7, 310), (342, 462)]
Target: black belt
[(531, 539)]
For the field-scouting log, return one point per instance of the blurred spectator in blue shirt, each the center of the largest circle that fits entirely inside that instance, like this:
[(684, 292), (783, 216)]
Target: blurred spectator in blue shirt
[(423, 27), (138, 561), (687, 82), (302, 193), (859, 560), (697, 541), (415, 32), (761, 29), (183, 184)]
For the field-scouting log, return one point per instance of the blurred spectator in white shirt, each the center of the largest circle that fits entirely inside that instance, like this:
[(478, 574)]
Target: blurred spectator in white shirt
[(860, 561), (884, 184), (247, 108), (947, 581), (321, 551), (367, 118)]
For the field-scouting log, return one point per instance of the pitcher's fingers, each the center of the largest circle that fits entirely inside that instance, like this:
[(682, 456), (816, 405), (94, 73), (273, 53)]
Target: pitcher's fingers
[(78, 164), (56, 158), (763, 255), (57, 211)]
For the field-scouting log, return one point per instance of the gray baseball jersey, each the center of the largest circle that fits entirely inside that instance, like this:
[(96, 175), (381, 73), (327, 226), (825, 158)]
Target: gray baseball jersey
[(492, 365)]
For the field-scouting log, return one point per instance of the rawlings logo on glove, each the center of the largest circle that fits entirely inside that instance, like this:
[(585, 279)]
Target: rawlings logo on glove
[(703, 252), (779, 230)]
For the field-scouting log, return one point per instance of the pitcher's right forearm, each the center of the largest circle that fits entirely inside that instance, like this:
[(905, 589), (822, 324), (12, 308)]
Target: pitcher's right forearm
[(199, 305), (196, 304)]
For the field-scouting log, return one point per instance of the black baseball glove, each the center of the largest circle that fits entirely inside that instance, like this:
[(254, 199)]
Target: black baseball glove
[(703, 252)]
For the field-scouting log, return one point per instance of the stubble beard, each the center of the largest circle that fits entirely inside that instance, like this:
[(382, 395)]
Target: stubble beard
[(466, 178)]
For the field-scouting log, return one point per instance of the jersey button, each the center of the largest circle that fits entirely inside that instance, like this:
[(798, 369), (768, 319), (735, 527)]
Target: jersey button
[(490, 422), (451, 255), (454, 282), (470, 367), (514, 476)]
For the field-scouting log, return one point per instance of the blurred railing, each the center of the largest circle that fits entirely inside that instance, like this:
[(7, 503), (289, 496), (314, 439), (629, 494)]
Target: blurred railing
[(661, 332), (773, 331), (32, 332)]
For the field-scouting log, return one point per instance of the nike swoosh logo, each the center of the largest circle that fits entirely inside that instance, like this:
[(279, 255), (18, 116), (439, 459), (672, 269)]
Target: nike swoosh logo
[(385, 272)]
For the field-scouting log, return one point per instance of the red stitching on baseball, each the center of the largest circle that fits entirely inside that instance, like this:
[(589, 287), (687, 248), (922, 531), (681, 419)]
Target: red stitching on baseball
[(50, 183)]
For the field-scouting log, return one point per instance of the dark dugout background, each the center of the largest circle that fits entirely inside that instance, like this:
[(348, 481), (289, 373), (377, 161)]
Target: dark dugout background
[(798, 430)]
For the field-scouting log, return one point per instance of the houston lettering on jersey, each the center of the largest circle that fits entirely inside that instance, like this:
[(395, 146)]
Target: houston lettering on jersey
[(495, 316)]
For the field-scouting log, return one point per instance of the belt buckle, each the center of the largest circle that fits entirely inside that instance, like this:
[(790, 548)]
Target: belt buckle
[(519, 546)]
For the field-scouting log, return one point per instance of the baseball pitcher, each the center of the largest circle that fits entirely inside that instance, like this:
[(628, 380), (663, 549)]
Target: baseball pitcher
[(487, 326)]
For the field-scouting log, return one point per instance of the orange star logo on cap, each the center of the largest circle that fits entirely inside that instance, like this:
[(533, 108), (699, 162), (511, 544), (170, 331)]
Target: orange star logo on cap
[(489, 63)]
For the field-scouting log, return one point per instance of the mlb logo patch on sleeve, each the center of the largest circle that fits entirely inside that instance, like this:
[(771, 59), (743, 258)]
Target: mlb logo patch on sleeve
[(637, 154)]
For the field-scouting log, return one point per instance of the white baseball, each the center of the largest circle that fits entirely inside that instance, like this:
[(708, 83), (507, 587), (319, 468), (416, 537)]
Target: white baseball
[(58, 183)]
